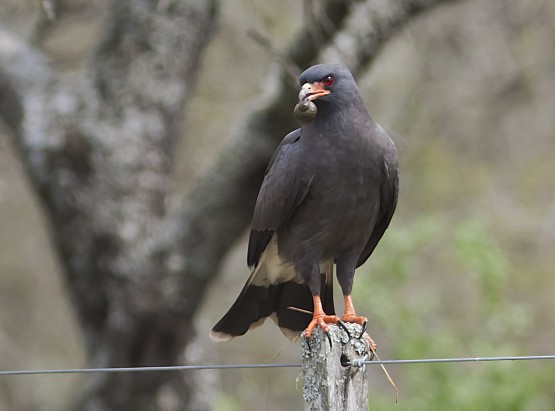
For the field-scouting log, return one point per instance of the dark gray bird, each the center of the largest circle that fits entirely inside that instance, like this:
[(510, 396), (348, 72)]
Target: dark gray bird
[(327, 198)]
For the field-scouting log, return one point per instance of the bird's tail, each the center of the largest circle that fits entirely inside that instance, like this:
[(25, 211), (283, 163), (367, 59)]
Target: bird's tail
[(258, 302)]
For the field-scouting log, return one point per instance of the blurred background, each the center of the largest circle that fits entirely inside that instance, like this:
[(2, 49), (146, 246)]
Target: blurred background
[(467, 91)]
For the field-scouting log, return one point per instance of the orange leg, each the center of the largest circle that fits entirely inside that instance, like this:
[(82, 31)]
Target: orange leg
[(350, 316), (319, 318)]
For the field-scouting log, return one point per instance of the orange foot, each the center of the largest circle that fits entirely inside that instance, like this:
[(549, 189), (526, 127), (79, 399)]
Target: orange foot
[(373, 346), (349, 316), (320, 321), (352, 318), (319, 318)]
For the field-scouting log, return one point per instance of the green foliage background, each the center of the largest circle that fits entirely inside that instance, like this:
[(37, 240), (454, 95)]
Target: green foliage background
[(478, 275)]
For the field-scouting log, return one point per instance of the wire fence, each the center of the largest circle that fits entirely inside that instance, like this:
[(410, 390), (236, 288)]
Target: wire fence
[(270, 365)]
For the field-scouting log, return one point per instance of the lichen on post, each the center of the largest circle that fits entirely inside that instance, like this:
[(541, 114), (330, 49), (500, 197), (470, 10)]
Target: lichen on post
[(330, 382)]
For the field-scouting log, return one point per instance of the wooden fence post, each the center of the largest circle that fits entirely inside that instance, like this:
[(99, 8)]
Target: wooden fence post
[(329, 385)]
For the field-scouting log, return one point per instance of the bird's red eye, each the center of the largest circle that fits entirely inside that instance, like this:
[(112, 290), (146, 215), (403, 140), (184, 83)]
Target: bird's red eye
[(328, 81)]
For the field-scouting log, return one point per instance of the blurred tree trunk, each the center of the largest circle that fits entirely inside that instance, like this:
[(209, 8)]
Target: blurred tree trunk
[(99, 153)]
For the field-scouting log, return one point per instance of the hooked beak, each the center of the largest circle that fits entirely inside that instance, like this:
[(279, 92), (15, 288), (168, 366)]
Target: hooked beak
[(312, 91)]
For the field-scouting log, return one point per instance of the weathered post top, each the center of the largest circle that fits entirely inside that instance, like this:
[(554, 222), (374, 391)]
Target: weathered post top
[(328, 384)]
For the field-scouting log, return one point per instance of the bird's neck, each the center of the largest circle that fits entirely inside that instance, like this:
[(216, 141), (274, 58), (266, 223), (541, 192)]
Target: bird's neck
[(344, 118)]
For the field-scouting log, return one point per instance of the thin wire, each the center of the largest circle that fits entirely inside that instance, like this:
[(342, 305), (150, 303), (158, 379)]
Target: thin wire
[(251, 366), (147, 369), (464, 359)]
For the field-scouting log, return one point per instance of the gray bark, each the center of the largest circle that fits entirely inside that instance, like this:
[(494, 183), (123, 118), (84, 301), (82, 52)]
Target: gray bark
[(99, 153)]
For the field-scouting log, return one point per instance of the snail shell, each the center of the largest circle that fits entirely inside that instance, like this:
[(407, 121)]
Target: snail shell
[(305, 111)]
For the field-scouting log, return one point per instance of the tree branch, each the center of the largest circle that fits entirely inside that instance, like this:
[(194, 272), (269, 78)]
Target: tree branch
[(31, 104), (370, 26)]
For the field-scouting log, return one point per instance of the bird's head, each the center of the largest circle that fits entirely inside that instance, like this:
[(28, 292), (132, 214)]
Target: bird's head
[(328, 84)]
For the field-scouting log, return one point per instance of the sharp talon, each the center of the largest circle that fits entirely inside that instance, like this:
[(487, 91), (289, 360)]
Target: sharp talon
[(372, 355), (329, 338), (307, 340), (364, 327), (344, 326)]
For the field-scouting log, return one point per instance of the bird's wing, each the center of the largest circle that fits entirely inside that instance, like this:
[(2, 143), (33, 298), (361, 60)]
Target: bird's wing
[(283, 189), (389, 193)]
